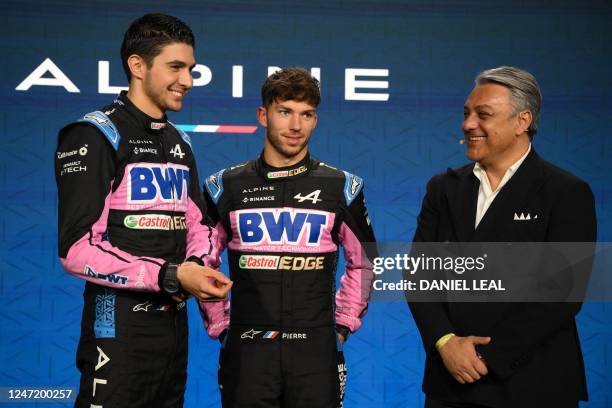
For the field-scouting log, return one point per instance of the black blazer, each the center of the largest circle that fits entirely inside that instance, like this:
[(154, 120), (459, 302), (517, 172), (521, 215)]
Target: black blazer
[(534, 358)]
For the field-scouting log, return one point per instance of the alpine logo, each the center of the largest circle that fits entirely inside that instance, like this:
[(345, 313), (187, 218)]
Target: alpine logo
[(314, 197), (151, 183), (281, 226), (177, 152)]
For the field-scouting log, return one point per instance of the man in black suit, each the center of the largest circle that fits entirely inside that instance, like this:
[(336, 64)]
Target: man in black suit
[(515, 355)]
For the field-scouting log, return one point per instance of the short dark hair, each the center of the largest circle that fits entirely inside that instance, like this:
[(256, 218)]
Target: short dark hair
[(292, 83), (148, 35)]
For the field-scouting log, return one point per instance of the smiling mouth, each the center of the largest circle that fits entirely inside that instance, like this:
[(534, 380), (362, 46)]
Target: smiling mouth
[(475, 138), (177, 93)]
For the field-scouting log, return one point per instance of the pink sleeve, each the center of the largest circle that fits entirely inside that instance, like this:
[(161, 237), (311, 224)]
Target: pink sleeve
[(96, 260), (216, 315), (356, 283), (202, 239)]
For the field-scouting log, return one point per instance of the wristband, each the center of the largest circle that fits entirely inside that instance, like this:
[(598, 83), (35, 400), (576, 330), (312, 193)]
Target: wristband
[(443, 340), (168, 282)]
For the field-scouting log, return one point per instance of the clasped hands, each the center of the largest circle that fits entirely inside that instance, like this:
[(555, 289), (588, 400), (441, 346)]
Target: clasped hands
[(205, 283), (462, 360)]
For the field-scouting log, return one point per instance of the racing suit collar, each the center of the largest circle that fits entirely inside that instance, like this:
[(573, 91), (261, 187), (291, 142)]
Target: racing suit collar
[(271, 173), (146, 121)]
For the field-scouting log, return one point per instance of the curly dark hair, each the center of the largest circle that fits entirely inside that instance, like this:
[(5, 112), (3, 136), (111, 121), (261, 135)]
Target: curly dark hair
[(292, 83)]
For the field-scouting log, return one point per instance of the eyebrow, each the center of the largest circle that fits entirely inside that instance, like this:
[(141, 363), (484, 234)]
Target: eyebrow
[(179, 63), (283, 107), (465, 107)]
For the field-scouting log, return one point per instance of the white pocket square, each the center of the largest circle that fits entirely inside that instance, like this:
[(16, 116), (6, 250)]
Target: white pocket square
[(524, 217)]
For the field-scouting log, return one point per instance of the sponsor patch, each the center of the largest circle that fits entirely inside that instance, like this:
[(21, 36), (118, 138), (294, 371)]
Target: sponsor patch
[(277, 262), (111, 278), (82, 151), (143, 150), (155, 222), (281, 226), (270, 335), (152, 183), (72, 169), (287, 173), (301, 263), (259, 262), (257, 189), (258, 199), (140, 141), (250, 334)]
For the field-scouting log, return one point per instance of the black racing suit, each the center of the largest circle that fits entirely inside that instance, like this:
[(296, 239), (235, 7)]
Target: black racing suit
[(129, 203), (282, 228)]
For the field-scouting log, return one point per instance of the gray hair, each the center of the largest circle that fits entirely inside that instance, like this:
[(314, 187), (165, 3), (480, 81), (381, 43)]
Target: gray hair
[(523, 87)]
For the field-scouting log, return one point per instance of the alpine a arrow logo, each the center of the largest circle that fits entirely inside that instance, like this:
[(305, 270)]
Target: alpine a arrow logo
[(314, 197)]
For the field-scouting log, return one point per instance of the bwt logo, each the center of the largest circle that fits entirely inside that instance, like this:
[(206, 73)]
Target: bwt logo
[(149, 183), (281, 226), (111, 278)]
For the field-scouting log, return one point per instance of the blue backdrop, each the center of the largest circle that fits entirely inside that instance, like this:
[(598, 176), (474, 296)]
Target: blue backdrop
[(425, 53)]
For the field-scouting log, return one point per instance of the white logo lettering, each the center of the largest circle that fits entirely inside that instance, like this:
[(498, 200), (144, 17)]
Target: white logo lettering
[(102, 359), (176, 151), (104, 86), (351, 84), (37, 78), (314, 197)]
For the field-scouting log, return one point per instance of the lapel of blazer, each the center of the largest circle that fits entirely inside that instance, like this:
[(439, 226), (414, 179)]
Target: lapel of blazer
[(524, 183), (462, 199)]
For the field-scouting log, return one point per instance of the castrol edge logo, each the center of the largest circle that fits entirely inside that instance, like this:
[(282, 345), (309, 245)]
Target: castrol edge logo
[(155, 222), (277, 262), (258, 262)]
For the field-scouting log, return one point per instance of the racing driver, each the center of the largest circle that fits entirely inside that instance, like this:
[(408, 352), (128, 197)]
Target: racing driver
[(282, 217), (130, 214)]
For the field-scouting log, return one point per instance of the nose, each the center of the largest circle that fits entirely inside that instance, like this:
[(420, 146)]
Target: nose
[(295, 122), (185, 79), (470, 122)]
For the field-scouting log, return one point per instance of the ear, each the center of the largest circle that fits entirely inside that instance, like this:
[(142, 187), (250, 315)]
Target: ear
[(262, 116), (137, 66), (523, 122)]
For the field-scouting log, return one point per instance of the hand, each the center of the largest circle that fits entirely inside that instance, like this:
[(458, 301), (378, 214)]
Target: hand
[(203, 282), (461, 359), (340, 337)]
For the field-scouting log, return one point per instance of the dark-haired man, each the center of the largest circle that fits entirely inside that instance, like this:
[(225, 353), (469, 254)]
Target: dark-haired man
[(283, 217), (132, 224)]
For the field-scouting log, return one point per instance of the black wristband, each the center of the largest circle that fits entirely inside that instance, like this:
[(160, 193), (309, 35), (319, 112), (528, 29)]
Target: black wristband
[(195, 259)]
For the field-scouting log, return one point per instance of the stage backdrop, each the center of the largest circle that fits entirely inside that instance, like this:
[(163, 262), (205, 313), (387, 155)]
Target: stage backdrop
[(394, 77)]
